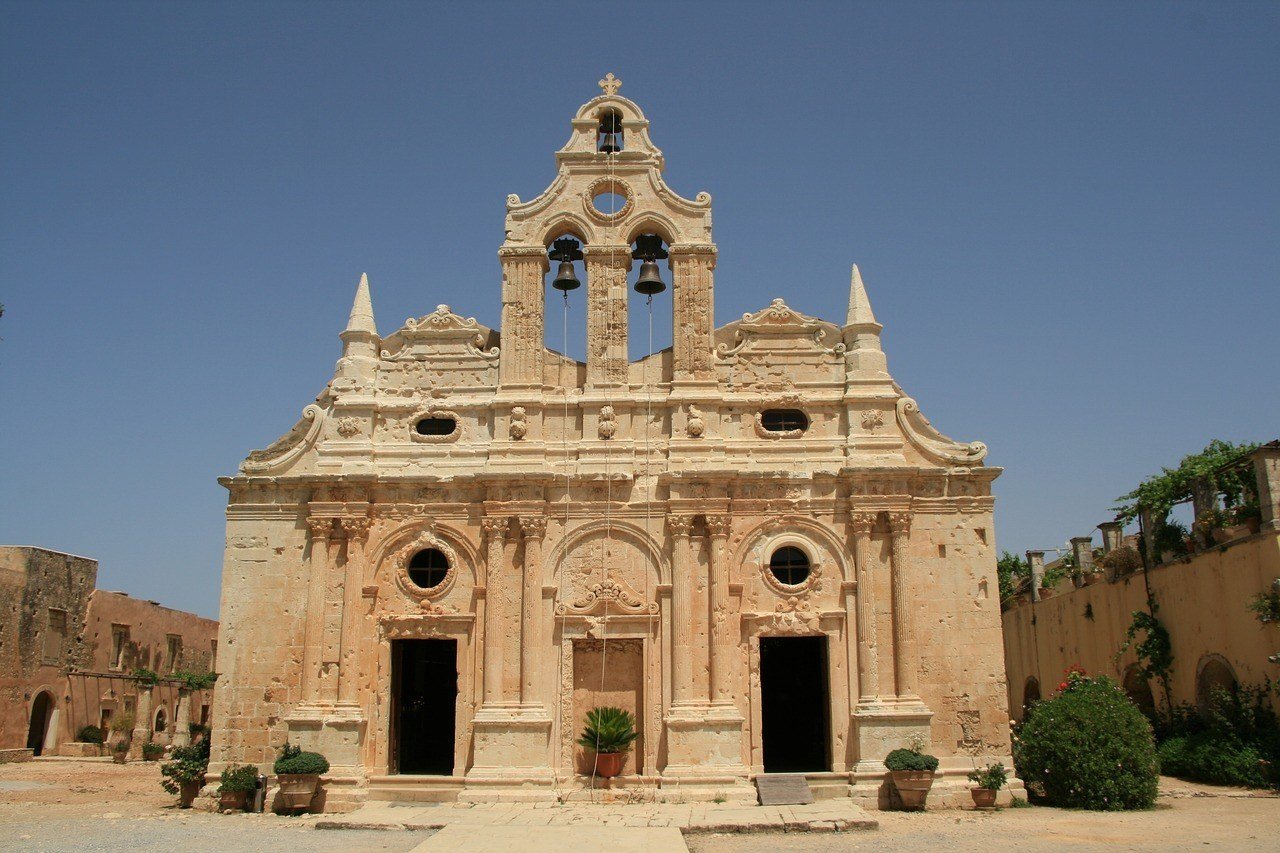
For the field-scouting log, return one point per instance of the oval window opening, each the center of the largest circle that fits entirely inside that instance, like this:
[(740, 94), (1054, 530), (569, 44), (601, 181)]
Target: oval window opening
[(436, 426), (784, 420), (428, 568), (609, 203), (789, 565)]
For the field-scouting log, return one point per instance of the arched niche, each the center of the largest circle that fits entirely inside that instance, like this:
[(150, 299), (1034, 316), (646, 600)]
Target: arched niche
[(825, 550), (389, 560), (1213, 673), (603, 552)]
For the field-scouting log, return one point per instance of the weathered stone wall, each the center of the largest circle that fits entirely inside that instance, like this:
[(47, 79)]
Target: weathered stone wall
[(150, 626), (1202, 604)]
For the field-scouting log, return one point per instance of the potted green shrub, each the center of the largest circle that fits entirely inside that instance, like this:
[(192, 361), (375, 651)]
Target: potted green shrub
[(183, 773), (911, 771), (238, 781), (122, 728), (120, 751), (987, 782), (298, 773), (152, 752), (609, 733)]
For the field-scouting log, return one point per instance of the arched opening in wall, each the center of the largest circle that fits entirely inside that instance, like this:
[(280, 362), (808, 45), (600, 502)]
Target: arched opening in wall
[(564, 316), (1138, 688), (1030, 693), (41, 717), (650, 299), (162, 721), (1215, 681), (610, 138)]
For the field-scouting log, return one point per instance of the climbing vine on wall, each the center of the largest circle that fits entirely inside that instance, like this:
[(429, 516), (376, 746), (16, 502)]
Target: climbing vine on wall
[(1155, 651)]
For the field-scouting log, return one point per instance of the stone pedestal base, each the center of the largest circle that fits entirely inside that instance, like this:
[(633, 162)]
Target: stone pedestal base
[(880, 728), (704, 756), (336, 731), (511, 763)]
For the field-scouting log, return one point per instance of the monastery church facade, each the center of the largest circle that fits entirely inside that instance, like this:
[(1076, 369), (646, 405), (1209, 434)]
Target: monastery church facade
[(753, 540)]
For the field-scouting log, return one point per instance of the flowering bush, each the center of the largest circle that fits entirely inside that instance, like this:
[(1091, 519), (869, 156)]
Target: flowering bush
[(1088, 747)]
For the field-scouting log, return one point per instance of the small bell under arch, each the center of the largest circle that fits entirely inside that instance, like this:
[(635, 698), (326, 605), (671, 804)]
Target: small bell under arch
[(609, 135), (649, 251), (566, 250)]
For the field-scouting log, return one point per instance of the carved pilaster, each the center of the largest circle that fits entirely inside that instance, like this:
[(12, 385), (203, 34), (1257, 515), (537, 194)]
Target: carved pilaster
[(335, 585), (692, 311), (533, 529), (868, 656), (523, 315), (721, 659), (607, 268), (681, 610), (495, 534), (357, 533), (905, 654), (320, 529)]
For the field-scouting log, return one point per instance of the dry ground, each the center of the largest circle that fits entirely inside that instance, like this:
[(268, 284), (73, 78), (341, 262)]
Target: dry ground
[(77, 805)]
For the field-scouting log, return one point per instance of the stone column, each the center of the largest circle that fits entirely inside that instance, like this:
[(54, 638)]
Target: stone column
[(1082, 550), (722, 644), (533, 528), (868, 656), (1150, 521), (692, 268), (495, 533), (1112, 535), (524, 269), (1035, 559), (607, 268), (906, 655), (318, 572), (331, 645), (142, 721), (681, 610), (357, 530), (1266, 468), (182, 719)]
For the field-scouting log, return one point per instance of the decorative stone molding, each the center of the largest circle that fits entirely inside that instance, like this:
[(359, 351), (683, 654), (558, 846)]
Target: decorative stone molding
[(321, 528), (812, 583), (607, 184), (608, 423), (494, 527), (900, 523), (428, 625), (694, 426), (289, 448), (604, 597), (519, 428), (430, 412), (761, 432), (862, 523), (932, 443), (793, 616), (533, 526)]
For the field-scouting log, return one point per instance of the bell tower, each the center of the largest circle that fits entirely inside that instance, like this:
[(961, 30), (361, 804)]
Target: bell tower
[(609, 198)]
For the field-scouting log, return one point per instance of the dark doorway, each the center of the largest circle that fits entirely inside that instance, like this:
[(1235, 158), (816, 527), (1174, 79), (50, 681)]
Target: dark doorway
[(793, 704), (41, 711), (424, 679)]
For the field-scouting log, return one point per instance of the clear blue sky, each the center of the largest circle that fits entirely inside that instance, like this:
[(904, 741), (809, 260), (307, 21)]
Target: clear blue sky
[(1066, 215)]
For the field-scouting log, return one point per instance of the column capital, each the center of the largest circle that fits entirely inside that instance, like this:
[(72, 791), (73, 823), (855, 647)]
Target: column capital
[(618, 257), (494, 527), (900, 523), (523, 252), (862, 522), (356, 527), (320, 527), (533, 526), (719, 525), (680, 524)]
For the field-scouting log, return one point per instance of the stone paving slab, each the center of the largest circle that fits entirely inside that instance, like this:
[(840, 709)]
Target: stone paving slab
[(555, 839), (823, 816)]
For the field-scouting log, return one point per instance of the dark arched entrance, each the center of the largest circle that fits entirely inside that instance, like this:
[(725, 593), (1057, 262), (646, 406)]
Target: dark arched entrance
[(41, 712)]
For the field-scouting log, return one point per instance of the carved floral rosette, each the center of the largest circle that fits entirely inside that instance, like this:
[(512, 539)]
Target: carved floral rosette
[(397, 561)]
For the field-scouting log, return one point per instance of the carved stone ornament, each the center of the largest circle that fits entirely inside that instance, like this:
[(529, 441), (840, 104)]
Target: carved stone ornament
[(289, 447), (347, 427), (761, 432), (812, 582), (608, 185), (519, 426), (606, 596), (680, 525), (608, 423), (695, 426), (862, 523), (355, 528), (440, 326), (533, 526), (610, 84), (719, 525), (872, 419), (398, 562), (932, 443), (321, 528), (428, 625), (900, 523), (792, 616)]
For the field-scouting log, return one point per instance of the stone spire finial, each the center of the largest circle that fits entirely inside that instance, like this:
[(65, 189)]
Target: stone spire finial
[(610, 84), (859, 305), (361, 319)]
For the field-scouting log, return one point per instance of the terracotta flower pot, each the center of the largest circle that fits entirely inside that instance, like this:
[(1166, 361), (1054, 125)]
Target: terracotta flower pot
[(912, 786), (297, 790), (983, 798), (232, 800), (609, 764), (187, 793)]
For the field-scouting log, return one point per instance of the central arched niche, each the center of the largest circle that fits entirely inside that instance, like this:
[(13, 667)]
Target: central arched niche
[(607, 566)]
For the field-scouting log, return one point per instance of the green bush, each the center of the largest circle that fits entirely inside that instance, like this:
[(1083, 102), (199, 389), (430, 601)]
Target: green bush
[(90, 734), (993, 777), (293, 761), (1206, 757), (1237, 742), (608, 731), (152, 751), (1088, 747), (186, 764), (910, 759), (238, 777)]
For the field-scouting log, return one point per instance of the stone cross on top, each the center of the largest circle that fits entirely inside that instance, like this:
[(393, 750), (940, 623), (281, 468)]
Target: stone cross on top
[(610, 84)]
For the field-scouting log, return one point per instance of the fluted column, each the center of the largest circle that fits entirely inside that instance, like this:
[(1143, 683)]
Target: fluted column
[(523, 315), (533, 528), (607, 268), (318, 572), (495, 533), (906, 656), (868, 654), (721, 659), (357, 530), (681, 611)]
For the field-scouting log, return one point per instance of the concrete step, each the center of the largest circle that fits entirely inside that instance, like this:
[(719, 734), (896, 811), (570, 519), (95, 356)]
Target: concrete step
[(404, 788)]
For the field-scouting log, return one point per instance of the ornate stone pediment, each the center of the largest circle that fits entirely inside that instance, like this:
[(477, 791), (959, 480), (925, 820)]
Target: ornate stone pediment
[(441, 329), (606, 596), (780, 327)]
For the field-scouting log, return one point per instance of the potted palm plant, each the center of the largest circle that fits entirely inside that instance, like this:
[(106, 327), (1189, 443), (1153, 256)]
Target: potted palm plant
[(184, 771), (987, 782), (609, 733), (238, 780), (911, 771), (298, 773)]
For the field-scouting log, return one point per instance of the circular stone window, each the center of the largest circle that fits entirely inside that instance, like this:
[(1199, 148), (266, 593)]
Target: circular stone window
[(789, 565), (608, 200), (428, 568)]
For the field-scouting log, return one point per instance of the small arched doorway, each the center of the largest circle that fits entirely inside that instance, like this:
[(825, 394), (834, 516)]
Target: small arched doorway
[(41, 714), (1030, 693), (1138, 688), (1215, 677)]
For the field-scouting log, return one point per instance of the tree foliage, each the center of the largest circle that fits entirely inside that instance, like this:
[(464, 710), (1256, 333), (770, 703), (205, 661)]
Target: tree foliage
[(1159, 493)]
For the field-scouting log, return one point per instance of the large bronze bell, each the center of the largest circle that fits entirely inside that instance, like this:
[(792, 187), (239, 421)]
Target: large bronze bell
[(566, 279), (610, 143), (650, 281)]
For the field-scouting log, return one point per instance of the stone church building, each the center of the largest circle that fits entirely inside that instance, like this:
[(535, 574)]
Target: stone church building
[(754, 540)]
